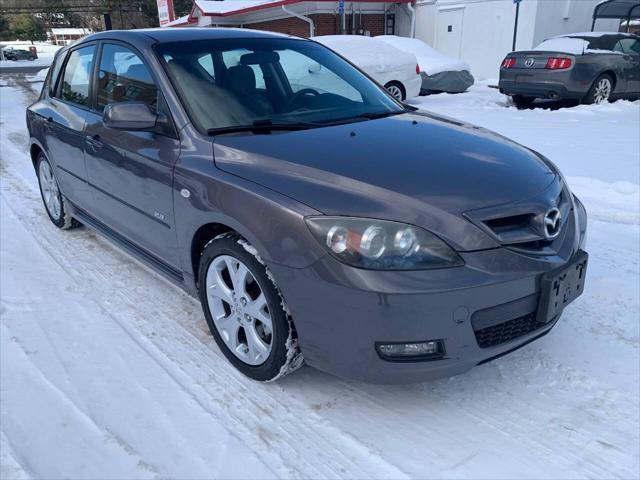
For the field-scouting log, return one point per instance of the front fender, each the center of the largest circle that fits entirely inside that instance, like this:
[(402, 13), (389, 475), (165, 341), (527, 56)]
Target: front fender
[(273, 223)]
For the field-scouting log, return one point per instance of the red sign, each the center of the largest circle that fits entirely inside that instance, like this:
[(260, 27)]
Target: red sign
[(165, 11)]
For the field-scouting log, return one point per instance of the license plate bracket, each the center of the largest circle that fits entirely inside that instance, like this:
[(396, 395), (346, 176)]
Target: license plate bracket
[(562, 286)]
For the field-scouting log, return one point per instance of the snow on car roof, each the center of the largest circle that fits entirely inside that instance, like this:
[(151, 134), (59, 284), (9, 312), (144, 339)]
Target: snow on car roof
[(367, 51), (430, 60), (574, 46), (591, 34)]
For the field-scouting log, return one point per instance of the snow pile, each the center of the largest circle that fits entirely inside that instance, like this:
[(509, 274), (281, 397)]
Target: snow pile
[(370, 54), (430, 60)]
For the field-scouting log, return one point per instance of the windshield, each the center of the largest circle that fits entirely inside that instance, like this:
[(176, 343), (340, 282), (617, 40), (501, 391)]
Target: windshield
[(228, 83)]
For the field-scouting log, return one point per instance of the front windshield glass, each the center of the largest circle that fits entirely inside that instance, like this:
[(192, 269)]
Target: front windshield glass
[(242, 82)]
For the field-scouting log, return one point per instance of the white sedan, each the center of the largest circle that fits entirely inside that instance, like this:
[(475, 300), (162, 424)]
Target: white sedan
[(394, 69)]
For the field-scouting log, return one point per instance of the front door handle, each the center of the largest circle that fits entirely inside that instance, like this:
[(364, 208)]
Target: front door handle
[(94, 142)]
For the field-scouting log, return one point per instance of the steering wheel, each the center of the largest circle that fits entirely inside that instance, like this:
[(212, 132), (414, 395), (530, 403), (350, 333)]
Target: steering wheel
[(299, 94)]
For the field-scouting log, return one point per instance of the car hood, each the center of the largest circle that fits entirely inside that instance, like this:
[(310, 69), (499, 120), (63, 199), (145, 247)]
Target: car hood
[(416, 168)]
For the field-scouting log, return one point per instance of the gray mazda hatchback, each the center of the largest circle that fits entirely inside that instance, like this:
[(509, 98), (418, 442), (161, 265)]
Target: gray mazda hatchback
[(318, 219)]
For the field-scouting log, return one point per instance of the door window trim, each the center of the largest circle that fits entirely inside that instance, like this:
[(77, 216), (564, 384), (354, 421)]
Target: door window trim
[(154, 77)]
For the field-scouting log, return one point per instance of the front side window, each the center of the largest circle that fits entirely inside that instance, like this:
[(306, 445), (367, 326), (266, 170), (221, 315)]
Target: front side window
[(77, 76), (279, 80), (123, 77)]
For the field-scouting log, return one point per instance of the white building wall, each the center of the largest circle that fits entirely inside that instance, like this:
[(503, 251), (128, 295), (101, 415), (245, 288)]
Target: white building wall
[(482, 30), (567, 16)]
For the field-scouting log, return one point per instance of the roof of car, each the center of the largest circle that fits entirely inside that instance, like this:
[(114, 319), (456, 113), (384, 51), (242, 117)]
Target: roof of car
[(590, 35), (184, 34)]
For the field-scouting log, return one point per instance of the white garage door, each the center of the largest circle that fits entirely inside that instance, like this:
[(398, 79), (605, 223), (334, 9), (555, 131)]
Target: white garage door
[(449, 32)]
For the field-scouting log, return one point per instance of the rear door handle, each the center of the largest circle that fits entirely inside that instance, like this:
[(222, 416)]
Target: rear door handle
[(94, 142), (48, 123)]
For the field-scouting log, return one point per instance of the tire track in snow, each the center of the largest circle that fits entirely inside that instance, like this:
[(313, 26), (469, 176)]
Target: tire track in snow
[(248, 408)]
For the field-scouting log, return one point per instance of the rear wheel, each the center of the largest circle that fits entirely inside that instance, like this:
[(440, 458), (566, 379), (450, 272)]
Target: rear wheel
[(522, 101), (396, 89), (245, 310), (54, 202), (600, 91)]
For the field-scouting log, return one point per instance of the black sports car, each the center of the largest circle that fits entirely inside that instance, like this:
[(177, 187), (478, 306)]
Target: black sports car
[(592, 67)]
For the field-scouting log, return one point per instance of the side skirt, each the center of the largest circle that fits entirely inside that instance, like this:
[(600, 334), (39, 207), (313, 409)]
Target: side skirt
[(158, 265)]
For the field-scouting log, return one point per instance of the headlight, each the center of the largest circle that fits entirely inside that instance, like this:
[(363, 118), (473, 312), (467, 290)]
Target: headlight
[(382, 245)]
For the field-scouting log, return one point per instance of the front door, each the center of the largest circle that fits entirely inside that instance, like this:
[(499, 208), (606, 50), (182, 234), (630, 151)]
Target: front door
[(131, 173)]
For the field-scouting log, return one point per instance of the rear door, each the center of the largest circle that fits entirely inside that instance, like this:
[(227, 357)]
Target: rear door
[(65, 121), (131, 173)]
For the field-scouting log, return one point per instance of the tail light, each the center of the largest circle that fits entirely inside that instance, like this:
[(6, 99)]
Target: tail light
[(555, 63), (508, 62), (417, 69)]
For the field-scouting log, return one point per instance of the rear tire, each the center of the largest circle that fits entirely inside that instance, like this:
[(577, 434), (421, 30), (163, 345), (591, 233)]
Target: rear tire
[(396, 89), (56, 205), (245, 311), (522, 101), (600, 91)]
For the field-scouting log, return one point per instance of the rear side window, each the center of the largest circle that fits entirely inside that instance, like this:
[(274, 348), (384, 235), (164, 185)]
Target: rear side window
[(123, 77), (630, 46), (77, 76)]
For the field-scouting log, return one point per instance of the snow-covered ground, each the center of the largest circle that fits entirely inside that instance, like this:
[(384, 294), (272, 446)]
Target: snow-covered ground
[(108, 371)]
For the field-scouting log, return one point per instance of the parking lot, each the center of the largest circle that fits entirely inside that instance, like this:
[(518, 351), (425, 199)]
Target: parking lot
[(136, 387)]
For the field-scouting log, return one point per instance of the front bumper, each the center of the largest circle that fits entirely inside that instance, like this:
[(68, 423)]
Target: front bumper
[(341, 312)]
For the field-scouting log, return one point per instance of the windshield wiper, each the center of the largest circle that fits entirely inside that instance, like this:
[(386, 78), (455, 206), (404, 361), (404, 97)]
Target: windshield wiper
[(368, 116), (264, 126)]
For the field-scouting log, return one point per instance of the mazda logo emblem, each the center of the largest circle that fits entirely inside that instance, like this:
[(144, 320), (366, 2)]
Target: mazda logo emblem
[(529, 62), (551, 223)]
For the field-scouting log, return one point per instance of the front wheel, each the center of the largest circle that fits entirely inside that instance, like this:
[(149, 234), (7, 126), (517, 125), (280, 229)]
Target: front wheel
[(396, 90), (600, 91), (245, 311)]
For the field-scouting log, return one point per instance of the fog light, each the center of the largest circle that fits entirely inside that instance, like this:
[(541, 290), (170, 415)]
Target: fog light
[(399, 351)]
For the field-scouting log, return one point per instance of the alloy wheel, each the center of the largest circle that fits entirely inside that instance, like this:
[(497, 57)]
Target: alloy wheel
[(239, 309), (602, 91), (50, 190), (395, 91)]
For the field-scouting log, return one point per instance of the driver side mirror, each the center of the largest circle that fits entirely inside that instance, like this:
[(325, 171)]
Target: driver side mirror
[(133, 116)]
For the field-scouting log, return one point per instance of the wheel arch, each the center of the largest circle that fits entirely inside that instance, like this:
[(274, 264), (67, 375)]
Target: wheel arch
[(398, 84), (34, 151), (613, 76), (203, 235)]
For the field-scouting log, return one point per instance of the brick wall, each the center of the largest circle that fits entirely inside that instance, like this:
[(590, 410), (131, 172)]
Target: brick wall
[(325, 23)]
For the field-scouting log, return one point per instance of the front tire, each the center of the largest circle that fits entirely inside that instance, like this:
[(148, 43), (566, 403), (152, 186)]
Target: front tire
[(245, 311), (55, 203), (396, 90), (600, 91)]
